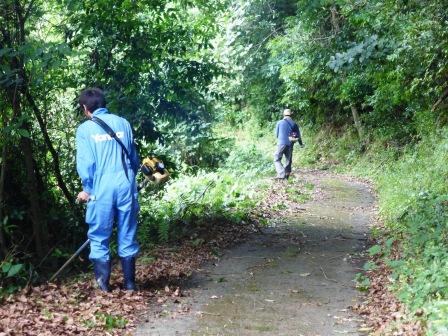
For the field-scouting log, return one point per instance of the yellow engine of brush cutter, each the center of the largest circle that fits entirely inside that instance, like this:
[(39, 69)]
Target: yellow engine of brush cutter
[(154, 170)]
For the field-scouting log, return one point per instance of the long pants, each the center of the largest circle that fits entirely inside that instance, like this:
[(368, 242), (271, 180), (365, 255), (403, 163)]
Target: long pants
[(283, 170), (115, 201)]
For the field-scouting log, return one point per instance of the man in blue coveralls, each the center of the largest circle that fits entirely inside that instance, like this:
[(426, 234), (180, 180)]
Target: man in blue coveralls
[(287, 133), (110, 192)]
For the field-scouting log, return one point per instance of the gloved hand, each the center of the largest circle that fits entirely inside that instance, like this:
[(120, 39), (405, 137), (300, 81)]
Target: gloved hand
[(83, 197), (160, 178)]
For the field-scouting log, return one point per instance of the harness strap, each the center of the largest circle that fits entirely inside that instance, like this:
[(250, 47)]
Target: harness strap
[(290, 125), (112, 134)]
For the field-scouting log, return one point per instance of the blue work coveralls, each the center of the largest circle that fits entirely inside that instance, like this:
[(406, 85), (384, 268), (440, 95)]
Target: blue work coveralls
[(113, 196)]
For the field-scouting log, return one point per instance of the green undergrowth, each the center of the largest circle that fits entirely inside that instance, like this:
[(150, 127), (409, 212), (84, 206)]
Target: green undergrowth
[(411, 180), (208, 197)]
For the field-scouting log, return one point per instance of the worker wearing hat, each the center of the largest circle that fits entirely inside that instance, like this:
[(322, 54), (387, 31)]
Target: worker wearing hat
[(287, 133)]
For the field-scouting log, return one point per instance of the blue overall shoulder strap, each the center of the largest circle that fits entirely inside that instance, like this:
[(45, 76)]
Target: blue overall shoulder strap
[(112, 134)]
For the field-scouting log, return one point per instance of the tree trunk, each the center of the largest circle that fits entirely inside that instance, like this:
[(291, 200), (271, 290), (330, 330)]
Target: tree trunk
[(440, 100), (53, 152), (37, 216), (3, 246), (32, 182), (16, 38), (357, 122)]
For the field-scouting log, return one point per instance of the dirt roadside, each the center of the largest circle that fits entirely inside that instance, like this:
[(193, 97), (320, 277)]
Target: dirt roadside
[(295, 279)]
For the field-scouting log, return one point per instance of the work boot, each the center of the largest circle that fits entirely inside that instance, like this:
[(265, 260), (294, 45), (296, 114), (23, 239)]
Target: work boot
[(128, 267), (102, 274)]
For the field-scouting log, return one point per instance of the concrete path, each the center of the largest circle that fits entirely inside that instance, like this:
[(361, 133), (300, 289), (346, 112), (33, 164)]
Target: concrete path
[(295, 279)]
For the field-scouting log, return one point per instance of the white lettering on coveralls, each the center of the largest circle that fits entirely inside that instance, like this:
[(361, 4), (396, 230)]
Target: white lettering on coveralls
[(106, 137)]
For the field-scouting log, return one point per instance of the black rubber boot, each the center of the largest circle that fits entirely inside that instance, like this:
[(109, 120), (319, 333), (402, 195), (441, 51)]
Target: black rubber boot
[(102, 274), (128, 266)]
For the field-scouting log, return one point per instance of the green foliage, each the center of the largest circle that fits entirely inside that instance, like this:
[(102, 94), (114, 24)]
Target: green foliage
[(374, 250), (156, 63), (10, 269), (439, 318), (362, 282), (368, 266), (152, 58), (422, 274), (12, 277), (367, 80), (322, 57), (188, 146), (113, 322), (252, 86), (188, 201), (109, 321)]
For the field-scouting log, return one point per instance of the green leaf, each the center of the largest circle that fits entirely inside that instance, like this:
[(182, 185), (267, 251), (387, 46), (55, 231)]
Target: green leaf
[(368, 266), (6, 266), (24, 133), (390, 242), (4, 51), (374, 250), (14, 270)]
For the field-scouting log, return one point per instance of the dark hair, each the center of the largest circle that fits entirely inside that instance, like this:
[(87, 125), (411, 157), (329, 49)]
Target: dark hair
[(92, 98)]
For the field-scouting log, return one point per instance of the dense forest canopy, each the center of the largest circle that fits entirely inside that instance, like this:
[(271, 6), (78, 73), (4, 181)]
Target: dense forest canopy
[(372, 73)]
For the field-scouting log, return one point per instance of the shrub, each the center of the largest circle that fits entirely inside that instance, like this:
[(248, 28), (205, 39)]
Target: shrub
[(229, 192)]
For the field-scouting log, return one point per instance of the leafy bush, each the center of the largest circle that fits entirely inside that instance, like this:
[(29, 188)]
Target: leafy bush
[(188, 146), (229, 193), (12, 276)]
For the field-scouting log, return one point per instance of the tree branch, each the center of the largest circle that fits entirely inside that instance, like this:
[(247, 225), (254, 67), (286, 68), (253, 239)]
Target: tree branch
[(335, 20), (440, 100), (28, 10)]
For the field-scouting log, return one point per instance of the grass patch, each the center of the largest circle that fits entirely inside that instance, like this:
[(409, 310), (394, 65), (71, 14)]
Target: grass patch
[(291, 251), (260, 327), (252, 286)]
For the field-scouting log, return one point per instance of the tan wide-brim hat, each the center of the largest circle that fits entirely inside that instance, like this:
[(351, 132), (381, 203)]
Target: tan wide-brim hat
[(287, 112)]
